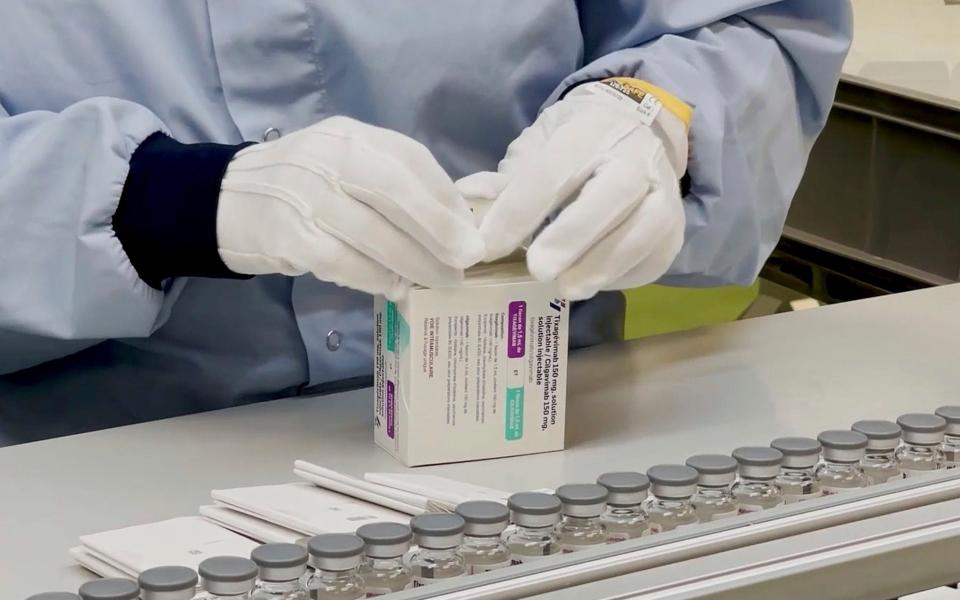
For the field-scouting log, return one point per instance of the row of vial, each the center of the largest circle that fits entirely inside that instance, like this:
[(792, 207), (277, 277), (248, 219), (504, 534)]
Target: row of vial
[(477, 537)]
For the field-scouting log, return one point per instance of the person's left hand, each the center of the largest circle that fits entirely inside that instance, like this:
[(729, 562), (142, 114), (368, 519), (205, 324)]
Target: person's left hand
[(603, 167)]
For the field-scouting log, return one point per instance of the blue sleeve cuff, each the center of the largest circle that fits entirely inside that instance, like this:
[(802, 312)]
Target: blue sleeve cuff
[(166, 220)]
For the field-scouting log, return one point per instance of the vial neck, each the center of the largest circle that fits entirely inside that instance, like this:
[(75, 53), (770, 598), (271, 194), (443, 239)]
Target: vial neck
[(579, 521), (481, 540), (437, 553), (335, 576), (841, 466), (755, 482), (625, 509), (951, 440), (797, 471), (879, 456), (535, 531), (280, 587), (714, 491), (383, 564), (670, 503)]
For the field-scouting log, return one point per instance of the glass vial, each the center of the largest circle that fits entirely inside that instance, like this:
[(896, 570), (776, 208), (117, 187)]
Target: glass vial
[(758, 468), (384, 546), (714, 499), (880, 463), (54, 596), (536, 516), (482, 548), (110, 589), (672, 486), (840, 470), (227, 577), (168, 583), (282, 567), (951, 437), (921, 451), (582, 504), (335, 558), (625, 517), (438, 537), (796, 478)]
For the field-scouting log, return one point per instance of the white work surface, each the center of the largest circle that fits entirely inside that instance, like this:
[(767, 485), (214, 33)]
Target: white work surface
[(909, 47), (629, 406)]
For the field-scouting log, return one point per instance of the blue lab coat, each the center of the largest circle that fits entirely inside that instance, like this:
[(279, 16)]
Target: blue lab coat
[(85, 343)]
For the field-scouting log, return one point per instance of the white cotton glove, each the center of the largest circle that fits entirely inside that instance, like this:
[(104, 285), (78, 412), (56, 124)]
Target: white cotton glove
[(602, 166), (357, 205)]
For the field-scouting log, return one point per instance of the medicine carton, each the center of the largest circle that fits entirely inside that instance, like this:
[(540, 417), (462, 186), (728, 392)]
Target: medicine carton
[(473, 372)]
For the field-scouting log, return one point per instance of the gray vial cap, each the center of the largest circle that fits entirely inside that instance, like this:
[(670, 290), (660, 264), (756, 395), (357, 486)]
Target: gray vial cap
[(385, 534), (54, 596), (842, 439), (758, 456), (534, 503), (335, 545), (168, 579), (483, 511), (437, 524), (279, 556), (796, 446), (877, 430), (110, 589), (712, 464), (582, 494), (922, 423), (672, 475), (227, 569), (624, 482), (951, 414)]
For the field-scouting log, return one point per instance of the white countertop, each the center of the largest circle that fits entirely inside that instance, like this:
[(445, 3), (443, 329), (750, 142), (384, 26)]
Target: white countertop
[(629, 406), (911, 47)]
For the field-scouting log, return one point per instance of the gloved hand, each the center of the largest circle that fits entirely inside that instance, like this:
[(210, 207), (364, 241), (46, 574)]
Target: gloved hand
[(358, 205), (603, 167)]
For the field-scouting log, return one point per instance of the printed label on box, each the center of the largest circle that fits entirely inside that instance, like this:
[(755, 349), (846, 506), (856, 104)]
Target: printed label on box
[(472, 372), (514, 413), (517, 322), (391, 409)]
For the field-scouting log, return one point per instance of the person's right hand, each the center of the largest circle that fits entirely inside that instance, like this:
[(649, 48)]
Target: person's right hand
[(357, 205)]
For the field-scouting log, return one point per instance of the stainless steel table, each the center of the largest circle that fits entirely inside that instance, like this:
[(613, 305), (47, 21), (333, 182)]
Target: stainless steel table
[(629, 406)]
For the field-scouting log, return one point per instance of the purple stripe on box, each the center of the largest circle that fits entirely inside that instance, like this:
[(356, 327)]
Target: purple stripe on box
[(390, 409), (516, 329)]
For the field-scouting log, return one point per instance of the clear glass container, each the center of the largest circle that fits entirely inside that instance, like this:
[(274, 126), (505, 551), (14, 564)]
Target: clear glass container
[(334, 585), (798, 484), (757, 494), (429, 565), (484, 553), (712, 503), (916, 459), (951, 435), (531, 543), (279, 590), (384, 575), (667, 514), (951, 451), (838, 477), (880, 467), (625, 522), (580, 533)]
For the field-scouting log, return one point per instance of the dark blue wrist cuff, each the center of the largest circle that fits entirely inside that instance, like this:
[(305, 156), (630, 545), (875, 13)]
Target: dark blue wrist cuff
[(166, 220)]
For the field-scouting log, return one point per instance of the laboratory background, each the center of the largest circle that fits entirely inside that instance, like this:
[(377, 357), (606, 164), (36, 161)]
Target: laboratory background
[(337, 300)]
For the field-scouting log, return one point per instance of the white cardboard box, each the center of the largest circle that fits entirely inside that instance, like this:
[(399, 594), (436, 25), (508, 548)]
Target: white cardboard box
[(473, 372)]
